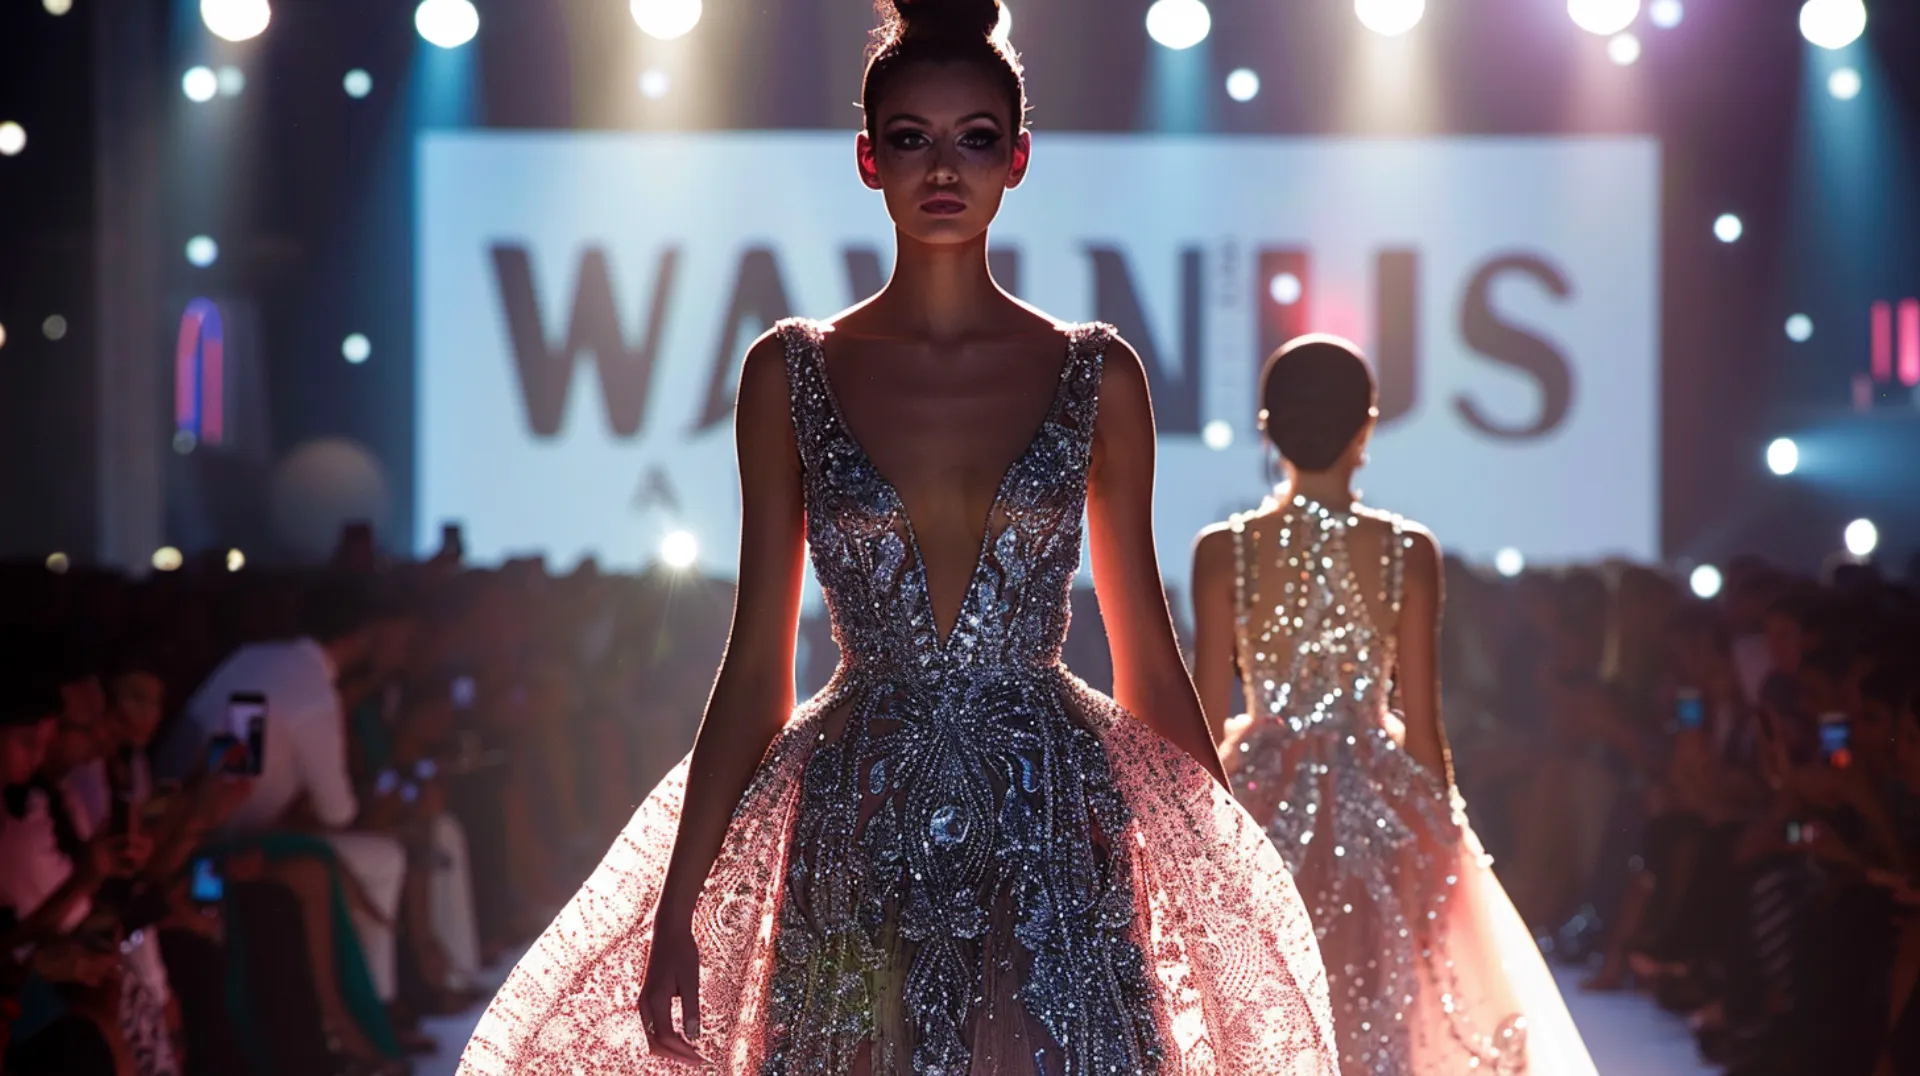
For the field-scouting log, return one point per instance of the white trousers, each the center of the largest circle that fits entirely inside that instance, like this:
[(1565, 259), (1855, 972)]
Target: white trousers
[(454, 924), (379, 863)]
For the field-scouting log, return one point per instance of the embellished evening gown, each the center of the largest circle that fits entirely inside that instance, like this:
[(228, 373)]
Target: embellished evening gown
[(1431, 971), (957, 859)]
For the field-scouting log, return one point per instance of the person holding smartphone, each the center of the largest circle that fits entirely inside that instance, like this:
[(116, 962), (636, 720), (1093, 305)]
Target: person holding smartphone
[(280, 703)]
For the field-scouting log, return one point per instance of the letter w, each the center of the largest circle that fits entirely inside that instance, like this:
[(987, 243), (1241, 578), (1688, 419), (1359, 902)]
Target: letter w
[(546, 373)]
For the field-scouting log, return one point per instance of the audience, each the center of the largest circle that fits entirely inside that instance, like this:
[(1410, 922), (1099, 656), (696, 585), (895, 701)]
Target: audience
[(1713, 801)]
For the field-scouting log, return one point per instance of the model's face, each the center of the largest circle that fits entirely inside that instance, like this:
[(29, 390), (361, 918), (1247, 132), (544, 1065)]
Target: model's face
[(942, 151)]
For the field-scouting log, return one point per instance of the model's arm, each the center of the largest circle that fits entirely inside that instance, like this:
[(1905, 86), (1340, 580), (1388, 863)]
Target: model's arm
[(1149, 677), (1418, 676), (752, 696), (1213, 624)]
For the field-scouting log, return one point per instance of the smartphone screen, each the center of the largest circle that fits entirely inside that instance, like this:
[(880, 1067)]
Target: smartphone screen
[(1836, 740), (223, 754), (208, 887), (247, 721), (1690, 710)]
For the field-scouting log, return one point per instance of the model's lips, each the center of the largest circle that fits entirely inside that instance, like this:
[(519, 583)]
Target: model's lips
[(943, 206)]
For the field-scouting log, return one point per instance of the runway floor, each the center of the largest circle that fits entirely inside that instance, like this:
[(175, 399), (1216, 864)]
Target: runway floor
[(1626, 1033)]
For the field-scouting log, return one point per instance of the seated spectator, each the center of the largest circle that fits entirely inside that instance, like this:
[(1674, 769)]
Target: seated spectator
[(100, 989), (303, 808)]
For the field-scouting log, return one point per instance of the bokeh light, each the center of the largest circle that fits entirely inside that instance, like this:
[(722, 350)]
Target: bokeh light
[(1844, 84), (666, 19), (1783, 456), (1862, 537), (1799, 328), (1728, 228), (1603, 17), (167, 559), (1705, 581), (1243, 84), (202, 251), (1509, 562), (236, 20), (1390, 18), (200, 84), (446, 23), (1179, 24), (1666, 14), (356, 348), (1833, 24), (1284, 288), (1217, 435), (679, 550), (13, 139), (1623, 49)]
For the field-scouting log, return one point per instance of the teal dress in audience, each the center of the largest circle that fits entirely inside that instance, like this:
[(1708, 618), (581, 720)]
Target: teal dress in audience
[(349, 963)]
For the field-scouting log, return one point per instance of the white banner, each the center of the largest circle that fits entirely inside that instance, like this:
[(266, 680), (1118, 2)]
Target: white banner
[(584, 299)]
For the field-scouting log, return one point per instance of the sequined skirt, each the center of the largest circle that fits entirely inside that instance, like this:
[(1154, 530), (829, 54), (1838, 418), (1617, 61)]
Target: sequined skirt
[(1172, 941), (1431, 969)]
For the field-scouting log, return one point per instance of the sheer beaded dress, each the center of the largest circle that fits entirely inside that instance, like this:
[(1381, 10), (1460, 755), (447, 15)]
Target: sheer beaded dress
[(1431, 971), (957, 859)]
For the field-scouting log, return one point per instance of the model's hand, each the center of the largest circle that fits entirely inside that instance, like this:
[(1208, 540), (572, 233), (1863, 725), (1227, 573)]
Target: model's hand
[(673, 971)]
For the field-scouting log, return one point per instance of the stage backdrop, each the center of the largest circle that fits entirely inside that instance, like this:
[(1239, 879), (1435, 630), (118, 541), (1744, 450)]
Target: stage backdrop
[(584, 298)]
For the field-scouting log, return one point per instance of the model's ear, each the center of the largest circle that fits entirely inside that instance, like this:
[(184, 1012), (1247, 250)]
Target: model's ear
[(1022, 156), (863, 160)]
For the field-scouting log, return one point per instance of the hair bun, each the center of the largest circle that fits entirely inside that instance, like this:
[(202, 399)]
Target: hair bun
[(944, 18)]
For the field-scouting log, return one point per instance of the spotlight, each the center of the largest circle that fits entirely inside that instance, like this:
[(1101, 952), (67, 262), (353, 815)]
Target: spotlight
[(1623, 49), (1728, 229), (356, 349), (231, 80), (1862, 538), (1509, 562), (1783, 456), (654, 84), (1390, 18), (358, 84), (1284, 288), (1705, 581), (446, 23), (1603, 18), (236, 560), (1844, 83), (1799, 328), (666, 19), (202, 251), (1666, 14), (1833, 24), (167, 559), (679, 549), (58, 563), (1218, 435), (1179, 24), (199, 84), (54, 327), (57, 7), (13, 139), (236, 20), (1243, 84)]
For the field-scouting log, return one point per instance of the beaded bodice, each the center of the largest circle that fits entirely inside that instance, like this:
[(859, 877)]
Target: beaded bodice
[(1309, 651), (868, 560), (959, 815)]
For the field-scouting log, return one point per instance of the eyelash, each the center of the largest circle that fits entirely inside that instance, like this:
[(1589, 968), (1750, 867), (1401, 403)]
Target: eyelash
[(908, 141)]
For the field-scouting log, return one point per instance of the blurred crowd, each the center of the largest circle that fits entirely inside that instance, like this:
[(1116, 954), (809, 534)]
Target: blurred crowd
[(273, 822), (1713, 801), (263, 822)]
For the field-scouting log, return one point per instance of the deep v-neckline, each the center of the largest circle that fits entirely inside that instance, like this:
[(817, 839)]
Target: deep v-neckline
[(942, 640)]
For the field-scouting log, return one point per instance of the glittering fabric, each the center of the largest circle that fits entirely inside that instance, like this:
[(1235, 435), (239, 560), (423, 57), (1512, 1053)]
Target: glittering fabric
[(1431, 970), (957, 859)]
